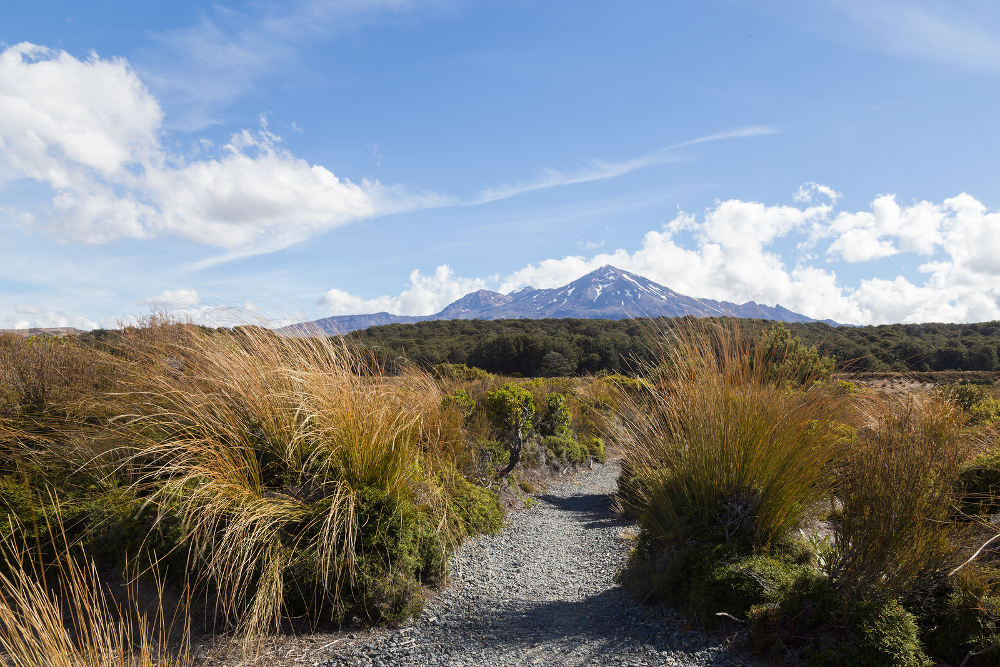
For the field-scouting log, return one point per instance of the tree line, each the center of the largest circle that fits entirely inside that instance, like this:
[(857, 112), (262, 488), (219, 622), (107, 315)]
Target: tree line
[(563, 347)]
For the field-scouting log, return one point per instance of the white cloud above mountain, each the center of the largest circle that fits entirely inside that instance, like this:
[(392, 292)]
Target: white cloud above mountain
[(733, 252), (424, 294), (27, 316)]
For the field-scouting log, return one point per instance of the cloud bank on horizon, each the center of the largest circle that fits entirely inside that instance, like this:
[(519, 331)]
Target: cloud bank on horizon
[(728, 253), (90, 159)]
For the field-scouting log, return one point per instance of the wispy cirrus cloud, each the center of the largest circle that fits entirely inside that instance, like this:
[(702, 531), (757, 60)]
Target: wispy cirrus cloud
[(599, 170), (91, 131), (204, 67), (947, 32)]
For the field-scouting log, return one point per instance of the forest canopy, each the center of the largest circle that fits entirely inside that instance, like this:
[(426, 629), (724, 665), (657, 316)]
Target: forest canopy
[(551, 347)]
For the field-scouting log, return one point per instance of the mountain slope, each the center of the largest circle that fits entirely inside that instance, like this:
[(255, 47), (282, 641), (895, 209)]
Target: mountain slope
[(606, 293)]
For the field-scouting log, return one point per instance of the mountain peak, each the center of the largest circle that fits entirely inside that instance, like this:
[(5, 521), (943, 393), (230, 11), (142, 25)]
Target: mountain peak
[(606, 271), (605, 293), (479, 300)]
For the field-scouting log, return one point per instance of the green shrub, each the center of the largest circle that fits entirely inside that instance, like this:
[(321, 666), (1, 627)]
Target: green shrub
[(978, 401), (846, 388), (704, 581), (736, 586), (511, 409), (557, 419), (986, 411), (965, 395), (460, 372), (461, 401), (624, 383), (498, 453), (790, 361), (967, 619), (110, 522), (473, 509), (889, 637), (596, 449), (564, 448), (398, 549), (979, 484), (793, 624)]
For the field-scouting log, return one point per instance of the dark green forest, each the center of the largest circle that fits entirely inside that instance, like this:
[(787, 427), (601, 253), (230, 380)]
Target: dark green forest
[(554, 347)]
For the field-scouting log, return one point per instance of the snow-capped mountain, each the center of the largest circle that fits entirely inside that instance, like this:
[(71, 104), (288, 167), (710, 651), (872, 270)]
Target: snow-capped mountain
[(606, 293)]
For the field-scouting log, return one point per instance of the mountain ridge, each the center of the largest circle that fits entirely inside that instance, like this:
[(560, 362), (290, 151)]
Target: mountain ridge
[(605, 293)]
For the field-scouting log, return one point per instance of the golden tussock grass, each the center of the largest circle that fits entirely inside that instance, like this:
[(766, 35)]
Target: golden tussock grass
[(260, 445), (730, 438)]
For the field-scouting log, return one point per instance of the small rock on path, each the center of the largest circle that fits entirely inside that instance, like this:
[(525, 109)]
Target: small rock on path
[(542, 592)]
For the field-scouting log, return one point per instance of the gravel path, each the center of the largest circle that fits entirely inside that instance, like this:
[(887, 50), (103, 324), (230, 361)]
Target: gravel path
[(542, 592)]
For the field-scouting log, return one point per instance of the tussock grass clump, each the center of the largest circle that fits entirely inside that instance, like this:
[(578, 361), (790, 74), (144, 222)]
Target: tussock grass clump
[(305, 480), (898, 491), (740, 442), (733, 440), (52, 396)]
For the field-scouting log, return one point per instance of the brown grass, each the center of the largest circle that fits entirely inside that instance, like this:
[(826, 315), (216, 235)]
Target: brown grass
[(260, 445), (728, 441), (898, 488), (58, 614)]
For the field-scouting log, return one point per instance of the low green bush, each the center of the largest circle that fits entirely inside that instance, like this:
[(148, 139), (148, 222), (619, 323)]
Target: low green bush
[(965, 395), (986, 411), (978, 401), (889, 637), (473, 509), (595, 446), (625, 383), (398, 549), (497, 452), (967, 619), (460, 401), (979, 485), (110, 521), (460, 372), (556, 420), (564, 448), (511, 411), (704, 581)]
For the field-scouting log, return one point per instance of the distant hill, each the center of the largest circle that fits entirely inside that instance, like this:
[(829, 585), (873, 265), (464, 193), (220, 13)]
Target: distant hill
[(606, 293), (42, 331)]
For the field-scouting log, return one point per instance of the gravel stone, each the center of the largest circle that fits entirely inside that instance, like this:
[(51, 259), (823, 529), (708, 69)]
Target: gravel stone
[(542, 592)]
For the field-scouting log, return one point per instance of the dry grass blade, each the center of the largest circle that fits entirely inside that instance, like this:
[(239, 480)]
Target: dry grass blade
[(60, 615)]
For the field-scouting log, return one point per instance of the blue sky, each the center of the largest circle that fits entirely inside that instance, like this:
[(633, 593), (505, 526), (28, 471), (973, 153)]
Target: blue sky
[(302, 159)]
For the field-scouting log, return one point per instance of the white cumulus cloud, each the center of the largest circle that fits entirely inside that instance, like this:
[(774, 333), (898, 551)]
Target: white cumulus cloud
[(424, 295), (33, 316), (173, 299), (59, 114), (739, 251), (90, 130)]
